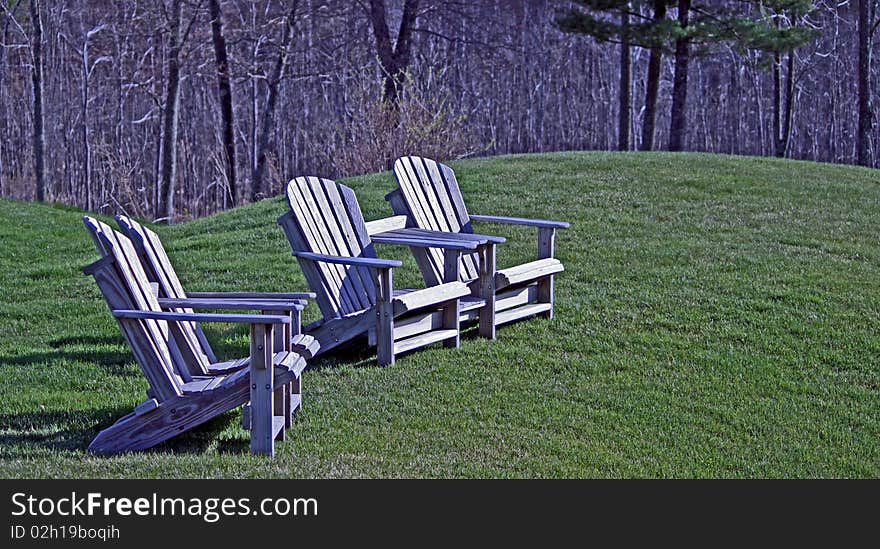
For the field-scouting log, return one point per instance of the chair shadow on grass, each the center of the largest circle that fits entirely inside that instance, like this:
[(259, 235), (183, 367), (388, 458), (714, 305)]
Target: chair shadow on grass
[(72, 431)]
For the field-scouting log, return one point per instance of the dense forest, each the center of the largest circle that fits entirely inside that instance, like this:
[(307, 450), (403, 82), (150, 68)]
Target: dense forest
[(171, 109)]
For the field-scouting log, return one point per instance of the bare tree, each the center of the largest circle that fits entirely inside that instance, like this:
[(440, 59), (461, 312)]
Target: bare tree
[(39, 137), (87, 68), (171, 109), (625, 92), (257, 184), (866, 28), (224, 92), (652, 85), (394, 58), (678, 117)]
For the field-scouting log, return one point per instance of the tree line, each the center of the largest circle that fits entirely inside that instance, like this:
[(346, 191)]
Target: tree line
[(172, 109)]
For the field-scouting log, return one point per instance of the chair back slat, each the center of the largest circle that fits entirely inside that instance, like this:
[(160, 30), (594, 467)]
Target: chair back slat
[(433, 201), (325, 218), (125, 286)]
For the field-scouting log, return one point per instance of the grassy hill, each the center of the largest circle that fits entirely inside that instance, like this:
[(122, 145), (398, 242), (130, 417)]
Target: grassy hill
[(719, 316)]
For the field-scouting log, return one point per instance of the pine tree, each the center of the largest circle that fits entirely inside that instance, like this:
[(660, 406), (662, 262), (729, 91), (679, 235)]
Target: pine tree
[(686, 29)]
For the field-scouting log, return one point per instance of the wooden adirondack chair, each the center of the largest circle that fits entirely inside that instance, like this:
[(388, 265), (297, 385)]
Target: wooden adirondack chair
[(354, 288), (429, 197), (179, 400), (189, 336)]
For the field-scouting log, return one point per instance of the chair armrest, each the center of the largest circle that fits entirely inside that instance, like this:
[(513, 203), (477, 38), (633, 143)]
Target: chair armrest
[(356, 261), (424, 241), (283, 296), (240, 304), (541, 223), (201, 317)]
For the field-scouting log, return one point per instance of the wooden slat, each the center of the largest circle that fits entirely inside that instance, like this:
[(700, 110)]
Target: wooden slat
[(509, 299), (428, 297), (179, 414), (418, 206), (303, 297), (232, 304), (487, 285), (385, 224), (423, 340), (325, 293), (521, 312), (436, 183), (451, 275), (356, 218), (189, 337), (543, 223), (546, 250), (432, 207), (430, 273), (313, 239), (262, 390), (417, 324), (385, 349), (124, 285), (527, 272), (340, 237)]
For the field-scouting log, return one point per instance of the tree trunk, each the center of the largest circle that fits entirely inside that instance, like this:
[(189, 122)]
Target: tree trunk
[(39, 138), (395, 58), (87, 151), (170, 117), (623, 122), (782, 107), (678, 118), (258, 189), (224, 93), (652, 84), (865, 121)]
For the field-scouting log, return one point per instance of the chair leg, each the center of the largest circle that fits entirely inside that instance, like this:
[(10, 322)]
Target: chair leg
[(546, 249), (281, 408), (545, 294), (487, 290), (450, 320), (262, 405), (384, 320)]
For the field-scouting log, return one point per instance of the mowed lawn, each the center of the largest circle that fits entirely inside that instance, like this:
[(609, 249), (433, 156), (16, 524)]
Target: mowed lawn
[(718, 317)]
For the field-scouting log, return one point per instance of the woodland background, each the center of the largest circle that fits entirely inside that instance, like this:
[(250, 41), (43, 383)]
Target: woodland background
[(173, 109)]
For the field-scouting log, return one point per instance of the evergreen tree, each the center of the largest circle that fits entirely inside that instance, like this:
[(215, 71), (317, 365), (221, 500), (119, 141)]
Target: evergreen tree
[(693, 28)]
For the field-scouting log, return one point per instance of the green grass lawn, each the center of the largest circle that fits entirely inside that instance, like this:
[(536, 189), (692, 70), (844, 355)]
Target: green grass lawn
[(718, 317)]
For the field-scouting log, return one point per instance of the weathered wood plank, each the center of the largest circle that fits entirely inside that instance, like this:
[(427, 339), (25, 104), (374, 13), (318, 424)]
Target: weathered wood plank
[(423, 340), (385, 224), (521, 312), (543, 223), (262, 390), (451, 309), (232, 304), (428, 297), (487, 290), (546, 250), (177, 415), (384, 311), (302, 297), (527, 272)]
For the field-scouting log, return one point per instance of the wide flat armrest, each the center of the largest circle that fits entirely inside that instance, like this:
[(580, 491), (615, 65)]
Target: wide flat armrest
[(541, 223), (283, 296), (201, 317), (240, 304), (356, 261), (437, 240)]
